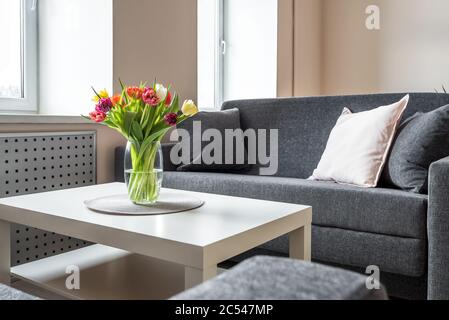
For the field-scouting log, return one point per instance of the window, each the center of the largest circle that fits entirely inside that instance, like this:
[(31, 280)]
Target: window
[(237, 50), (18, 56)]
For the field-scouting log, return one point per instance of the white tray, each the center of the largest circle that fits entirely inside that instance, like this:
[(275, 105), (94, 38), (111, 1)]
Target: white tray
[(121, 205)]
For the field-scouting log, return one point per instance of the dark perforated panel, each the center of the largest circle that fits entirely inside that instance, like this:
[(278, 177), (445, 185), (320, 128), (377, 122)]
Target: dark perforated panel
[(32, 163)]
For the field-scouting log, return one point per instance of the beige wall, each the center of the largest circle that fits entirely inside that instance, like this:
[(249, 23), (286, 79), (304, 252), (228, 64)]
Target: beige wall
[(299, 47), (156, 39), (285, 48), (350, 50), (334, 52), (107, 141), (408, 53), (308, 47)]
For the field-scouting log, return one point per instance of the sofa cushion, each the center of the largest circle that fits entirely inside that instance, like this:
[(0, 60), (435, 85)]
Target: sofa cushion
[(358, 145), (421, 140), (268, 278), (383, 211)]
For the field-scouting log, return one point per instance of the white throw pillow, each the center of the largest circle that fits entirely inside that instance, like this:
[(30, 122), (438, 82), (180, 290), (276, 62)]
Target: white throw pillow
[(358, 145)]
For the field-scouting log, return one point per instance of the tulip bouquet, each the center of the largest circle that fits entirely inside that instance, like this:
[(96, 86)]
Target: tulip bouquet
[(143, 115)]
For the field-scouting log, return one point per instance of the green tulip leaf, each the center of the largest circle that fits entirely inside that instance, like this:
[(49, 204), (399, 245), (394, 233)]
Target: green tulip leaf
[(137, 131), (127, 122)]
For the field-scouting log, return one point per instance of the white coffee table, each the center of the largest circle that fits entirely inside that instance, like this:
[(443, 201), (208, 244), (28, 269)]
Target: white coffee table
[(198, 240)]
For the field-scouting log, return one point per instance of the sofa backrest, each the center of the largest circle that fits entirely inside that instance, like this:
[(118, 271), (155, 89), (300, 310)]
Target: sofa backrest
[(304, 124)]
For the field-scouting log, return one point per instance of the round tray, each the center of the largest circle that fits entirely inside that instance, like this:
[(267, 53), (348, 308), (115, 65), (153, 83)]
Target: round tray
[(169, 202)]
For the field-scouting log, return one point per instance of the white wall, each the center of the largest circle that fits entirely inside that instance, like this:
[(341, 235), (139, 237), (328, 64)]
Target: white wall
[(75, 40), (250, 66)]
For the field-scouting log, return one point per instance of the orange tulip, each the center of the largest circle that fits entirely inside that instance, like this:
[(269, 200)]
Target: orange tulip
[(117, 99)]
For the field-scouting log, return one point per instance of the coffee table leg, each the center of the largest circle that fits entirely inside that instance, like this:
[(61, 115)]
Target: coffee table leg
[(5, 252), (194, 276), (300, 243)]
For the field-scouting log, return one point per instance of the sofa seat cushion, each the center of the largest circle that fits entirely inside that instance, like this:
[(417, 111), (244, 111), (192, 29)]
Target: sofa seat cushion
[(382, 211)]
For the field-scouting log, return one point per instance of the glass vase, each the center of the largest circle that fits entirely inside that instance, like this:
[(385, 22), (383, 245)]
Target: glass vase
[(143, 172)]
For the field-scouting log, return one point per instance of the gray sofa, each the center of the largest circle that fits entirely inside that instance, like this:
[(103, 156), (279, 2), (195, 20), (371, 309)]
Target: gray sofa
[(405, 234)]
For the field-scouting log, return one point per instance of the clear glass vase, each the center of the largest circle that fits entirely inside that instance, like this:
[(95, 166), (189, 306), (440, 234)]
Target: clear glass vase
[(143, 172)]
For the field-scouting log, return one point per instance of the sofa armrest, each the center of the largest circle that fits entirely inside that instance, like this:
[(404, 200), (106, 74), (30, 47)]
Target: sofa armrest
[(438, 231), (120, 157)]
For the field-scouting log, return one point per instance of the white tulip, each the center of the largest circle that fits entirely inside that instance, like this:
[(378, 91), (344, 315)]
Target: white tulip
[(161, 91)]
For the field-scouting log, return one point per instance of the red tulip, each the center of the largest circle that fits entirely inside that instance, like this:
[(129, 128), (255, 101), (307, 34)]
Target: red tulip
[(97, 116)]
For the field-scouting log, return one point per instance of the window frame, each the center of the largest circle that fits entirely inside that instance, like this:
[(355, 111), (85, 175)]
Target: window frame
[(220, 53), (27, 104)]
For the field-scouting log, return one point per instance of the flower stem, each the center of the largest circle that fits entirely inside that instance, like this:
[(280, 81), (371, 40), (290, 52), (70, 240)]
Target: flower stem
[(144, 179)]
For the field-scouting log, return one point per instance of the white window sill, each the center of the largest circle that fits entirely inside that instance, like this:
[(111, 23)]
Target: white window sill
[(43, 119)]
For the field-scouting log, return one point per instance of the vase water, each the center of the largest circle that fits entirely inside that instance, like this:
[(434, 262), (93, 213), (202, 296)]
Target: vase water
[(143, 172)]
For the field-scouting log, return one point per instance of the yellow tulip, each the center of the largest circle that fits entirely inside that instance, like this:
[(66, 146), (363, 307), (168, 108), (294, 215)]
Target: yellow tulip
[(103, 94), (189, 108)]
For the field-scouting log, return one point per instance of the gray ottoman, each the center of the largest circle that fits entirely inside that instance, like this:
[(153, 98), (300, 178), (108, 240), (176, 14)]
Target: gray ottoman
[(269, 278), (8, 293)]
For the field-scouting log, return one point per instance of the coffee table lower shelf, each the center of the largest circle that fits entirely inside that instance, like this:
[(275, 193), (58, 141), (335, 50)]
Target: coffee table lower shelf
[(105, 273)]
